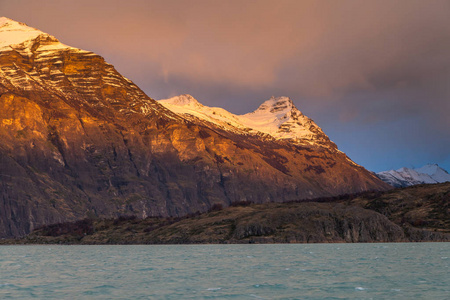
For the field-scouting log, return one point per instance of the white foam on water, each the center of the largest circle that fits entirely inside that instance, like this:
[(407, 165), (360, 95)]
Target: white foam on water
[(359, 288), (5, 284), (213, 289), (256, 296)]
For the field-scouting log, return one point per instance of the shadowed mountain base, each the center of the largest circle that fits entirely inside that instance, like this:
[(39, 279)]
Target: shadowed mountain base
[(415, 214)]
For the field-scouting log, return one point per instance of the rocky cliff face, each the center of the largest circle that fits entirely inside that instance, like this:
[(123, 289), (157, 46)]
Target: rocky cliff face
[(79, 140)]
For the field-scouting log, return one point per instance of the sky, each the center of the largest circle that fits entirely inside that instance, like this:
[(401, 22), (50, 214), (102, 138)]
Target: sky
[(374, 75)]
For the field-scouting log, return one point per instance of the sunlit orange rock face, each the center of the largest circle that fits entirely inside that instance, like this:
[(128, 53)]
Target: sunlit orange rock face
[(79, 140)]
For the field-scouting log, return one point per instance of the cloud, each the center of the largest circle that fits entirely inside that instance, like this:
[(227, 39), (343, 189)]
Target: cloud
[(320, 47)]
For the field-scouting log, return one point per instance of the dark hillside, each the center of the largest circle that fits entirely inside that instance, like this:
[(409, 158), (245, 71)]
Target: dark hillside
[(414, 214)]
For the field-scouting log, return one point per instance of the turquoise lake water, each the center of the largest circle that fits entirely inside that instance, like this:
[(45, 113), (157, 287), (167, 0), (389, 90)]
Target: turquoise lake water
[(294, 271)]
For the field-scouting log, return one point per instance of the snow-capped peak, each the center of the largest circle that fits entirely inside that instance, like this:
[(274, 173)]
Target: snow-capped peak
[(429, 169), (13, 34), (276, 110), (7, 21), (272, 113), (185, 100), (277, 117), (276, 105), (189, 107), (436, 172), (402, 177), (4, 20)]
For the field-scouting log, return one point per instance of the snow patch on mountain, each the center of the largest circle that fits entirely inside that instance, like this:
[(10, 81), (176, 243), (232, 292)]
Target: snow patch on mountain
[(280, 118), (435, 172), (188, 106), (428, 174), (277, 117), (13, 34)]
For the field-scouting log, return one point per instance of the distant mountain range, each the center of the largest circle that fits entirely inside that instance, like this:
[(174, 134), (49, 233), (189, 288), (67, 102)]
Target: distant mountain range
[(403, 177), (80, 140)]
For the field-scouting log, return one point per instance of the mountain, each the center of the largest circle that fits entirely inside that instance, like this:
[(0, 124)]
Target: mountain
[(430, 173), (80, 140), (435, 172), (277, 117)]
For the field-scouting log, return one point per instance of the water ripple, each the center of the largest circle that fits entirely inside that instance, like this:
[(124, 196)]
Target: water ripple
[(380, 271)]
